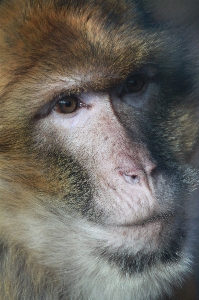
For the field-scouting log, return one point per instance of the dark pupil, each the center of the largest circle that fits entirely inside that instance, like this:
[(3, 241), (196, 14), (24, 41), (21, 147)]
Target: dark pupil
[(134, 84), (65, 103)]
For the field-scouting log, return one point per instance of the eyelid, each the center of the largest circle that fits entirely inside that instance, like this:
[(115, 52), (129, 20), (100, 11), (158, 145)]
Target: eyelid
[(80, 103), (62, 95), (48, 107)]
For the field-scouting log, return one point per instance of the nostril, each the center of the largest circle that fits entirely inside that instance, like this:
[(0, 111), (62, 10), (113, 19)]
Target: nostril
[(132, 179), (155, 173), (151, 169), (139, 174)]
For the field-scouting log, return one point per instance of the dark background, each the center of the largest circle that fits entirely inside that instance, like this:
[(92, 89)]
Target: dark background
[(184, 11)]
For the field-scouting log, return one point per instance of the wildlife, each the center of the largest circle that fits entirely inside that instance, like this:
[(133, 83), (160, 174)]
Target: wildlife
[(98, 135)]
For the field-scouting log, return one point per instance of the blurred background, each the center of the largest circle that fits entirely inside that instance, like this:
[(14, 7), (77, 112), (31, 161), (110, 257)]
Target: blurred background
[(182, 11)]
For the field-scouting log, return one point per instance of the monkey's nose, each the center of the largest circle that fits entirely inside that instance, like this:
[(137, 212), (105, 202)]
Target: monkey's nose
[(131, 178), (138, 175)]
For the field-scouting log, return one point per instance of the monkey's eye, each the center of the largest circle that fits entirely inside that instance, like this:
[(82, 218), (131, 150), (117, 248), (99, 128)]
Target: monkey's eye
[(66, 104), (134, 84)]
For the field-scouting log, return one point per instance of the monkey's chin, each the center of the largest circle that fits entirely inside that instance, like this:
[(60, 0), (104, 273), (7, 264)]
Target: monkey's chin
[(138, 248)]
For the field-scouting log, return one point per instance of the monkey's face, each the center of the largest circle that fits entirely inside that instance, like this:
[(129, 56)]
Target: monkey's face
[(102, 168), (99, 123)]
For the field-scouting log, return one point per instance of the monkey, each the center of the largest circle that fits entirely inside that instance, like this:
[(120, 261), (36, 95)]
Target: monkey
[(99, 130)]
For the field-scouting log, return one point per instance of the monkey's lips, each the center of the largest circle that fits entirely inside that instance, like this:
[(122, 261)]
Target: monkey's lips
[(166, 217), (146, 235), (153, 219)]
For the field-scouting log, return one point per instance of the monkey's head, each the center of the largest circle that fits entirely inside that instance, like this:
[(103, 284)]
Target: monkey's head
[(99, 122)]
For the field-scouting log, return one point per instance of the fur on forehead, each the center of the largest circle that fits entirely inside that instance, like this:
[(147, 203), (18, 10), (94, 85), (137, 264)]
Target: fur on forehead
[(97, 40)]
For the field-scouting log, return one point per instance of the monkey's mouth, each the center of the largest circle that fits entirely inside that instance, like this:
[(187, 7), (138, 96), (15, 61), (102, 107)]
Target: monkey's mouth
[(167, 217), (145, 235), (155, 218), (138, 246)]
